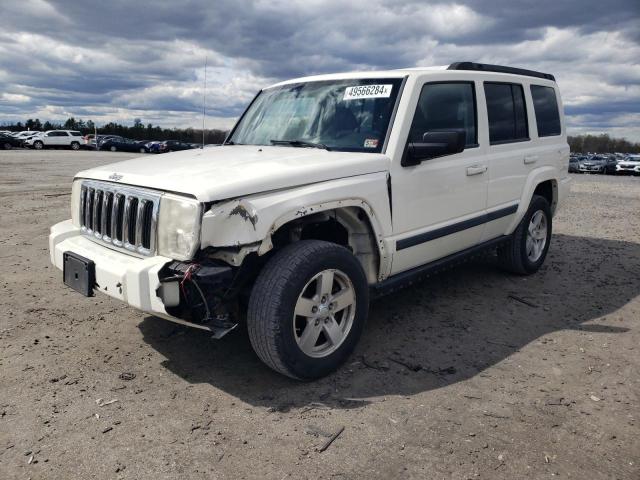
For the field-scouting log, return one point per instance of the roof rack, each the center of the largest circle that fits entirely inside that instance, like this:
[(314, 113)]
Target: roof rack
[(484, 67)]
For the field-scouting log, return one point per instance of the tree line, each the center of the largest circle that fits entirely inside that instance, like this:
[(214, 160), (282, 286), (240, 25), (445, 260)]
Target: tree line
[(137, 131), (601, 144)]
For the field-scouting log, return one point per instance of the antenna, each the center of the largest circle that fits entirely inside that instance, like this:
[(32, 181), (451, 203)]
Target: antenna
[(204, 99)]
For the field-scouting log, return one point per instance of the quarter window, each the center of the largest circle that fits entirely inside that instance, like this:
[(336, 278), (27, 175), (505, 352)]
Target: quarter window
[(507, 112), (446, 107), (546, 107)]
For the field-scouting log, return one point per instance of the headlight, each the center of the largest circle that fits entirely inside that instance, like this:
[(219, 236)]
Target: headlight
[(178, 227), (75, 202)]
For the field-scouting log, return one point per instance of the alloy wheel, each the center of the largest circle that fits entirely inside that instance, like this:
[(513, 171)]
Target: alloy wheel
[(324, 313), (536, 236)]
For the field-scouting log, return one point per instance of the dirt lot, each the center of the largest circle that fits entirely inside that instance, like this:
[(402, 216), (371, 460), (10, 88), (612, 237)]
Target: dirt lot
[(472, 374)]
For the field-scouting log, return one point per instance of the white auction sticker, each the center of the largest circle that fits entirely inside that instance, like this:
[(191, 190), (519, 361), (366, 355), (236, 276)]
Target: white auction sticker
[(367, 91)]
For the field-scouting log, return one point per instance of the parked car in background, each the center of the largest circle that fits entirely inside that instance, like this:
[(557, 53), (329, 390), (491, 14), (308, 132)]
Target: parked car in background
[(55, 138), (104, 138), (598, 164), (610, 163), (630, 166), (31, 137), (124, 145), (574, 165), (173, 146), (25, 134), (153, 146), (7, 142), (90, 140)]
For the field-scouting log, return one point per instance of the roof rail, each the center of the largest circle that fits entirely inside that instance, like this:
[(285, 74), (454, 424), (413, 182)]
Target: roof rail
[(484, 67)]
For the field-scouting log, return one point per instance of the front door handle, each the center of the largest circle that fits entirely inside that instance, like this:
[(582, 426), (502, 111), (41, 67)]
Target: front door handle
[(476, 170), (530, 159)]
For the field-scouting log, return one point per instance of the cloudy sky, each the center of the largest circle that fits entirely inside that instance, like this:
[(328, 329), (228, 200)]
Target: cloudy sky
[(119, 60)]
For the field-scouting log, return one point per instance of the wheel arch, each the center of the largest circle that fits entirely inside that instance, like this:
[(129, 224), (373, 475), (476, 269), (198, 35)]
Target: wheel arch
[(257, 224), (542, 181), (348, 222)]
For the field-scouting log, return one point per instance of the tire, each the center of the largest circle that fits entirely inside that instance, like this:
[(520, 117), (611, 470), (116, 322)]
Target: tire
[(7, 146), (38, 145), (75, 146), (277, 333), (113, 148), (515, 256), (143, 150)]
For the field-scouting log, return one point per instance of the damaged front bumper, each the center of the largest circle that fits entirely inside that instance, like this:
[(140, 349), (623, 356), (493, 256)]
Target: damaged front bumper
[(186, 293)]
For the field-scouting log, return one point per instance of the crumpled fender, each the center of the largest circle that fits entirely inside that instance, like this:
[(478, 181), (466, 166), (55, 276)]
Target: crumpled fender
[(253, 218)]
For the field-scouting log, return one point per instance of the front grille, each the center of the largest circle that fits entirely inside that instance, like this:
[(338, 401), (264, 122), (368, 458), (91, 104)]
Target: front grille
[(124, 217)]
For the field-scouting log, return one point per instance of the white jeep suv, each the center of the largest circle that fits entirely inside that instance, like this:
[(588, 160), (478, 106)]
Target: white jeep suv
[(55, 138), (328, 190)]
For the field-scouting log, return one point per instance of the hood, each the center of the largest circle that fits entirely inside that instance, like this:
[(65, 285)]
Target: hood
[(629, 163), (230, 171)]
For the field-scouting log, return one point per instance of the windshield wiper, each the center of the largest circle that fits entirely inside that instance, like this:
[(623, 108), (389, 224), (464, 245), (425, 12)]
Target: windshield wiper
[(300, 143)]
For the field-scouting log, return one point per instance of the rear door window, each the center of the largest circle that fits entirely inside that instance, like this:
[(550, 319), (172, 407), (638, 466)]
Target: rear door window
[(545, 106), (507, 113)]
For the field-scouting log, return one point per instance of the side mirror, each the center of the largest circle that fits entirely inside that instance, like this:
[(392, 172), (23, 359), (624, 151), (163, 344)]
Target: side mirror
[(434, 144)]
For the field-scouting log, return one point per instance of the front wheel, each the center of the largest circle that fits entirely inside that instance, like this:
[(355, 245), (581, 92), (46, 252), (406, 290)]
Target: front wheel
[(527, 249), (143, 150), (113, 148), (308, 308), (75, 146), (7, 146), (38, 145)]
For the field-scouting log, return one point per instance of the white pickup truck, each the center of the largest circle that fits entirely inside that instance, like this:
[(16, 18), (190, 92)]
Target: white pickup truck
[(328, 190)]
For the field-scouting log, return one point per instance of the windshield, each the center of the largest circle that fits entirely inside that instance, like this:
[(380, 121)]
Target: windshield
[(347, 115)]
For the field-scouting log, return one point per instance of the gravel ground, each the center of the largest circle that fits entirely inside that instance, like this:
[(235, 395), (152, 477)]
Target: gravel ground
[(472, 374)]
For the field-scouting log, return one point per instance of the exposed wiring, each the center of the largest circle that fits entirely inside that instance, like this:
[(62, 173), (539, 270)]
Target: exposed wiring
[(204, 300)]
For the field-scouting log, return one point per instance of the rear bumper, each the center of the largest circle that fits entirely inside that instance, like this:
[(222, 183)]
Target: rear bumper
[(129, 279)]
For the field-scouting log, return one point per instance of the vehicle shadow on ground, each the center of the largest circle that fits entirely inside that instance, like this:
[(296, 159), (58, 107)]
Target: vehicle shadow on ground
[(441, 331)]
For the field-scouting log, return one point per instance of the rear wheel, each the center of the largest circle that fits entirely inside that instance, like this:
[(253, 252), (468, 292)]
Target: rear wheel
[(308, 308), (143, 150), (527, 249), (7, 146), (113, 148), (75, 146)]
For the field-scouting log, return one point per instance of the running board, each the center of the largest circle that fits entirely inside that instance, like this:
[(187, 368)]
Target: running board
[(406, 278)]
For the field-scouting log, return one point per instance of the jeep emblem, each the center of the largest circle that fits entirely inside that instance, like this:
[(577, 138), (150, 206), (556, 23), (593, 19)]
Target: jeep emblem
[(115, 176)]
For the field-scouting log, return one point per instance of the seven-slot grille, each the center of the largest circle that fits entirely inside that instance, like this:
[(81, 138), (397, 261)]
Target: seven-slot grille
[(124, 217)]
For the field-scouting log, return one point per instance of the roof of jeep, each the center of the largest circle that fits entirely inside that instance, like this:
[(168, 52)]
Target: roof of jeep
[(465, 68), (366, 74)]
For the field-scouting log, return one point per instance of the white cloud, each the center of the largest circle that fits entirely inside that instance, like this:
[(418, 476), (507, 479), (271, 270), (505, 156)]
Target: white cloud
[(122, 60)]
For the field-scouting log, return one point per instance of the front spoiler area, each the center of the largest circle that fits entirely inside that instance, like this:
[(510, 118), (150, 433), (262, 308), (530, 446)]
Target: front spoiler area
[(129, 279), (132, 280)]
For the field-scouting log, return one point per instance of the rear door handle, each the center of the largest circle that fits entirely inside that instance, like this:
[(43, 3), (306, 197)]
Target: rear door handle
[(476, 170), (530, 159)]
